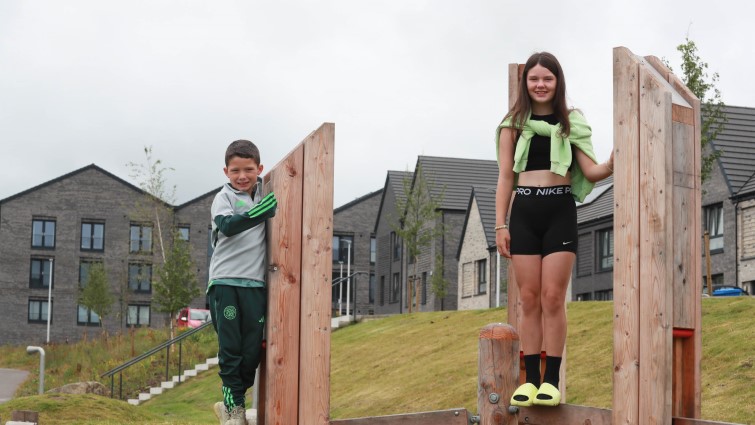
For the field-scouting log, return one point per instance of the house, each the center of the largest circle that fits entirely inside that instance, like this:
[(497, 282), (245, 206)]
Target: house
[(449, 182), (52, 234), (353, 232), (592, 276), (480, 265), (389, 261)]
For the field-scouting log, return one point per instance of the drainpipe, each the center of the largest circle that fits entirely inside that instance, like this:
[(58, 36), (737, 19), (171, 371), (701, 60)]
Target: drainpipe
[(31, 350)]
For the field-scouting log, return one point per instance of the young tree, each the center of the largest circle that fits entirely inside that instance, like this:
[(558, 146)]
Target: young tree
[(155, 207), (439, 284), (418, 224), (696, 78), (94, 293), (176, 283)]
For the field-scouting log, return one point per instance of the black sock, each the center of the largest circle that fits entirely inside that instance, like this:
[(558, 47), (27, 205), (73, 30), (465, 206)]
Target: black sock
[(552, 367), (532, 368)]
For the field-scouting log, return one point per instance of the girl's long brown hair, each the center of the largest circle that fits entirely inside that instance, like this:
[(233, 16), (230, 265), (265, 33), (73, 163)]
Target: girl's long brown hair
[(522, 107)]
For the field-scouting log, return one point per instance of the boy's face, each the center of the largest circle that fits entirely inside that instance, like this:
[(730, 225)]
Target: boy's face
[(242, 173)]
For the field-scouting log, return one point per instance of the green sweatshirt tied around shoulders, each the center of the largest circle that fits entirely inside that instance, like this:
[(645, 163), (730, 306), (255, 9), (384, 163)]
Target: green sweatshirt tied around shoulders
[(561, 154)]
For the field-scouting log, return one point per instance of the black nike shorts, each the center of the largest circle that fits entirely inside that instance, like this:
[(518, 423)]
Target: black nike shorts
[(543, 221)]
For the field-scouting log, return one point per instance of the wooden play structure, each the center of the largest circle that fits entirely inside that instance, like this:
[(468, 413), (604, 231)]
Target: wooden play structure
[(657, 276)]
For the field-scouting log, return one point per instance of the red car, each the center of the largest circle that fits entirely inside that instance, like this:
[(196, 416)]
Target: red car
[(192, 317)]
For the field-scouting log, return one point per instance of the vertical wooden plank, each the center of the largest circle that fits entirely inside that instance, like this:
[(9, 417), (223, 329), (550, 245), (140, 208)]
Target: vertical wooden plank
[(316, 257), (498, 369), (284, 291), (626, 289), (684, 235), (656, 304)]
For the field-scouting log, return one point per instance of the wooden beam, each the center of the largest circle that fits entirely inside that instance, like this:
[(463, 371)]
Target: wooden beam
[(442, 417), (656, 302), (626, 278), (564, 414), (284, 292), (316, 274)]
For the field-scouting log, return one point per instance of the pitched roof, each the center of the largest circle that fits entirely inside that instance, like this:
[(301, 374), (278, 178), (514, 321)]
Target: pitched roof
[(71, 174), (484, 196), (358, 200), (200, 197), (736, 142), (598, 204), (454, 178), (394, 180)]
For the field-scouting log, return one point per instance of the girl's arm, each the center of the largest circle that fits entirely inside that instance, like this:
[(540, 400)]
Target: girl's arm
[(592, 171), (504, 189)]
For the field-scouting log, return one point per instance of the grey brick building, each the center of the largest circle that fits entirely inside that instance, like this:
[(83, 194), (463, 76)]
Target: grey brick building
[(63, 226), (354, 224)]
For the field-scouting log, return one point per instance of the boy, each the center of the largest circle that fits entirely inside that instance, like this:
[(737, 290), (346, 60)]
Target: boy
[(236, 289)]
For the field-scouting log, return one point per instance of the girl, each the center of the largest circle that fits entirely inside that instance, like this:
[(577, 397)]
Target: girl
[(546, 161)]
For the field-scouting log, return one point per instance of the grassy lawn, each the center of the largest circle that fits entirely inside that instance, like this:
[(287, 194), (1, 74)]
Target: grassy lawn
[(428, 361)]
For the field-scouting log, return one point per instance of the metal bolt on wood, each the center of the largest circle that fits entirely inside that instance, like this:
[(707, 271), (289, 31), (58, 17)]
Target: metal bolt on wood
[(493, 398)]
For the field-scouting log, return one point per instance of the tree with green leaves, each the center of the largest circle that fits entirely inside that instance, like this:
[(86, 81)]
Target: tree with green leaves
[(418, 225), (696, 78), (94, 292), (176, 283)]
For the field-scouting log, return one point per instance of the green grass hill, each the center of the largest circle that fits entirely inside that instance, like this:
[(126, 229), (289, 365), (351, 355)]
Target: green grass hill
[(428, 361)]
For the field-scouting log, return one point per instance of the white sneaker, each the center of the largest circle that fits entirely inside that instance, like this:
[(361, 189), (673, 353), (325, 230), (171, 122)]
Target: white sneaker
[(237, 416), (220, 412)]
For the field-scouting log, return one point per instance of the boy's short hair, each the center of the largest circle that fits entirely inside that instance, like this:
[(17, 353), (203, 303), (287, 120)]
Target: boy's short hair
[(243, 149)]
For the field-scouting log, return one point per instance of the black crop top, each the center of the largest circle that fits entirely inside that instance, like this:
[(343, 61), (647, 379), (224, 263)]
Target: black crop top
[(539, 157)]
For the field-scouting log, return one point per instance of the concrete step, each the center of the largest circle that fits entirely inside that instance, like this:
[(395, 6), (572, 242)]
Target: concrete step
[(133, 401), (155, 390), (213, 361), (167, 384), (190, 372), (144, 396), (202, 367)]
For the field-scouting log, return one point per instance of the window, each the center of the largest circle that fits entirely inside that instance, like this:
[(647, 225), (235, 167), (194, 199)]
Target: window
[(43, 234), (341, 246), (395, 288), (138, 315), (140, 277), (183, 232), (373, 250), (141, 238), (424, 288), (38, 311), (606, 295), (605, 250), (84, 315), (587, 296), (381, 290), (482, 283), (40, 273), (92, 236), (372, 288), (718, 279), (395, 246), (713, 220)]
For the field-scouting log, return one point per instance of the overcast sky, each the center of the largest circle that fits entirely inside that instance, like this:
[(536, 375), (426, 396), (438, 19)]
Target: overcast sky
[(85, 82)]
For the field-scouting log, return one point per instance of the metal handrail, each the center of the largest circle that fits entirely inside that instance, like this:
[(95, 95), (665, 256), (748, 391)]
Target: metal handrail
[(163, 346)]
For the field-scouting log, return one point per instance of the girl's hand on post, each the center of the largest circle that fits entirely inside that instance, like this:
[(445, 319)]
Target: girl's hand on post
[(502, 241)]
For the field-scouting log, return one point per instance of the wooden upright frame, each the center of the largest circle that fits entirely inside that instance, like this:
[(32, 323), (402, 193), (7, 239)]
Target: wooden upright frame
[(295, 375), (657, 270)]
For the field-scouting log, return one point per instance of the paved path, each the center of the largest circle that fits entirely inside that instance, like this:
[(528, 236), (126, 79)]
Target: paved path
[(10, 379)]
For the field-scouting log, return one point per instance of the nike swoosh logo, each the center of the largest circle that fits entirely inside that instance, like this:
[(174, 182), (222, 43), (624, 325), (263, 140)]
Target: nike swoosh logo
[(567, 243)]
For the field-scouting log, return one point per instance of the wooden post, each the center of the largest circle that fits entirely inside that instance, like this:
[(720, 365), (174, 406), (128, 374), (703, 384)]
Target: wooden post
[(296, 373), (24, 416), (498, 373), (657, 243)]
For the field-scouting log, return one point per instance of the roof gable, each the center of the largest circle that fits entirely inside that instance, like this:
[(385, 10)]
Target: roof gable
[(484, 197), (394, 183), (453, 178)]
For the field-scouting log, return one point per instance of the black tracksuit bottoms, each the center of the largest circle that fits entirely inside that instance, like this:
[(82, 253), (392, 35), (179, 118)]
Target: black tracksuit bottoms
[(238, 315)]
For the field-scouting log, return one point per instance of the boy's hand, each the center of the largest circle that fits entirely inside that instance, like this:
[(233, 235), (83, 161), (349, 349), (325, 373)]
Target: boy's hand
[(265, 209)]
